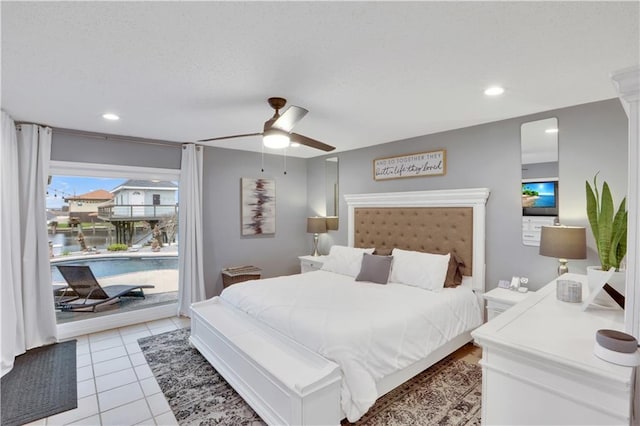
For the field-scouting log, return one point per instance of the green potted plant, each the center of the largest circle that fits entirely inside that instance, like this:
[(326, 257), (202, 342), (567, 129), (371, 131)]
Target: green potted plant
[(609, 229)]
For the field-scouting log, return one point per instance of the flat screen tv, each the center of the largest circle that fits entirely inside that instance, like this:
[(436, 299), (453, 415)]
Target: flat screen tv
[(540, 198)]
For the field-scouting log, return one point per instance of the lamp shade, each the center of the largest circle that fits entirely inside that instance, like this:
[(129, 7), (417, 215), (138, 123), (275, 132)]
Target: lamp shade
[(563, 242), (332, 223), (316, 225)]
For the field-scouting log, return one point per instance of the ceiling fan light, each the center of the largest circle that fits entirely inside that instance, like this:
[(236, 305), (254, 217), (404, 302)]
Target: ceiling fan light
[(110, 116), (494, 91), (275, 139)]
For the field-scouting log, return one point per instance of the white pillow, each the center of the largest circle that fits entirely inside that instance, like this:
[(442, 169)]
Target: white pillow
[(424, 270), (345, 260)]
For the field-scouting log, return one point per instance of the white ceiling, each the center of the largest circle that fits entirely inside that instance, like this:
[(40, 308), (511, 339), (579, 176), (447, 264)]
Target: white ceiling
[(368, 72)]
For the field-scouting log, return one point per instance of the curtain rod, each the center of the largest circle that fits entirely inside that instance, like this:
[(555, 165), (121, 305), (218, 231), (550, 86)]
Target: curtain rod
[(105, 136)]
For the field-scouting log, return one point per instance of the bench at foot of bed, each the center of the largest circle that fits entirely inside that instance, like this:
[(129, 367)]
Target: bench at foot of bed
[(284, 382)]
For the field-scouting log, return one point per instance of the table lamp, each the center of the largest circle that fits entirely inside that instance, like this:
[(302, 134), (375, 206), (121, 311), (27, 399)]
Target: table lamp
[(332, 223), (316, 225), (563, 242)]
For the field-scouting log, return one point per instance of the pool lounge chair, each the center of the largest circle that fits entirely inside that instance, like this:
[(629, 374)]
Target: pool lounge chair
[(63, 294), (89, 293)]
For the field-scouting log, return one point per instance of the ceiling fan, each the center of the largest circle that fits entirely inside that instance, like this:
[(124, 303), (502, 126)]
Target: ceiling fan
[(277, 130)]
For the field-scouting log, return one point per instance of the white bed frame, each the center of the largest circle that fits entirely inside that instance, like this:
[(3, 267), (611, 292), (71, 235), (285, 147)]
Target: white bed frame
[(286, 383)]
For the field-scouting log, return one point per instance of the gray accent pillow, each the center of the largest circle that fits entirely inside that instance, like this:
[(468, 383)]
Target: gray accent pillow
[(375, 268)]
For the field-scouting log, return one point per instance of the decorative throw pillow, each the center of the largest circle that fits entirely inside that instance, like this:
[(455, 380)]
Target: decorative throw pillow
[(454, 271), (424, 270), (345, 260), (375, 268)]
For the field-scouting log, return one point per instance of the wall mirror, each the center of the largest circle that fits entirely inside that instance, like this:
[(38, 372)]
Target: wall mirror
[(539, 160), (331, 186)]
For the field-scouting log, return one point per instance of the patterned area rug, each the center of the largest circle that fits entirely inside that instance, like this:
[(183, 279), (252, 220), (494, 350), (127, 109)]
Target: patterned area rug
[(446, 394)]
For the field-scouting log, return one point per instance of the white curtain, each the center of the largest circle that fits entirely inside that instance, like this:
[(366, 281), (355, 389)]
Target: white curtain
[(28, 317), (190, 260), (10, 247)]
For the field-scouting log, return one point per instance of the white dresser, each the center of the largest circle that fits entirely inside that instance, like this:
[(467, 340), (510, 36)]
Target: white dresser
[(538, 365)]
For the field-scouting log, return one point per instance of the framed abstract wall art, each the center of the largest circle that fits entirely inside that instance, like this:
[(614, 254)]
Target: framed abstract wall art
[(258, 199)]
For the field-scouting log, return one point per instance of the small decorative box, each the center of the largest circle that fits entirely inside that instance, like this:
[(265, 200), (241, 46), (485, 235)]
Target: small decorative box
[(569, 291)]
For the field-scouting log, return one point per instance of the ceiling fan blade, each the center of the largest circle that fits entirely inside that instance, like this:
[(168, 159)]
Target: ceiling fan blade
[(303, 140), (230, 137), (289, 118)]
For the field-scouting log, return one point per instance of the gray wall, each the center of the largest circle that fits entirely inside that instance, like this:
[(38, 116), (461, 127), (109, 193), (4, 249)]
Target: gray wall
[(223, 245), (97, 149), (592, 137)]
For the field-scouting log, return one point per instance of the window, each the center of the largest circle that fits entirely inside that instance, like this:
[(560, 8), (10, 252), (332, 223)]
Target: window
[(156, 199), (147, 238)]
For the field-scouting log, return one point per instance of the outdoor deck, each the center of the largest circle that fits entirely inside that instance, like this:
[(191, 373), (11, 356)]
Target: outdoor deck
[(137, 212)]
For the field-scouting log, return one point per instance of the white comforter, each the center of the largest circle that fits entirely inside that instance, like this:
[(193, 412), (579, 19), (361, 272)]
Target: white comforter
[(369, 330)]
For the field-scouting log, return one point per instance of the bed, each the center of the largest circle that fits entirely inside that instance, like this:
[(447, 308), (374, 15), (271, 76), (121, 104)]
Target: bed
[(296, 349)]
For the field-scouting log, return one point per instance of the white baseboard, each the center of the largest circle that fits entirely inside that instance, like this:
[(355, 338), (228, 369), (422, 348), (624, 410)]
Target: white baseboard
[(107, 322)]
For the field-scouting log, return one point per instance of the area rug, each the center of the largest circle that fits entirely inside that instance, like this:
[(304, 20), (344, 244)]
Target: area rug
[(446, 394), (42, 383)]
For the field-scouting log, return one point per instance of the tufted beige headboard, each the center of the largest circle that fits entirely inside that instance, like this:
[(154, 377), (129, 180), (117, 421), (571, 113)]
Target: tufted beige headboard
[(426, 229), (437, 221)]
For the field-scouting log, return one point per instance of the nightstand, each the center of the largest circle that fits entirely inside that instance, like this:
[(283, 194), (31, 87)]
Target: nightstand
[(311, 263), (501, 299)]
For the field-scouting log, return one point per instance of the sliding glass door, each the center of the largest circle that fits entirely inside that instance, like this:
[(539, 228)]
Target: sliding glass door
[(120, 223)]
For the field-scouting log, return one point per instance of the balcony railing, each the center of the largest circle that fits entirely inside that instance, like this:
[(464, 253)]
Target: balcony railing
[(137, 211)]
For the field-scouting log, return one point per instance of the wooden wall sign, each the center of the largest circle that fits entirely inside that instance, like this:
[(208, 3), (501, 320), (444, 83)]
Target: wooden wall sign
[(431, 163)]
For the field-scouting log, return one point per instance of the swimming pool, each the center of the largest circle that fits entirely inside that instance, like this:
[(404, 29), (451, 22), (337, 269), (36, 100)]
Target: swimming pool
[(109, 266)]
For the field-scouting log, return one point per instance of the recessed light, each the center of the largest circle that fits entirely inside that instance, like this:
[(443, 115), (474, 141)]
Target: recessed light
[(295, 144), (494, 91), (110, 116), (552, 130)]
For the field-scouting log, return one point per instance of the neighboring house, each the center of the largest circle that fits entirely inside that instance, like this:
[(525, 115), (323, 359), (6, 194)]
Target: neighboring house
[(145, 198), (51, 217), (60, 215), (84, 208)]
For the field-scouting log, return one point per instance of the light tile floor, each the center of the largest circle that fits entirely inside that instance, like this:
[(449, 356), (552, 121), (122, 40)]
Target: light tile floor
[(115, 384)]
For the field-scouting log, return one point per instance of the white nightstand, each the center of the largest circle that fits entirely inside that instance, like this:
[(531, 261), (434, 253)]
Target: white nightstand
[(501, 299), (311, 263)]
